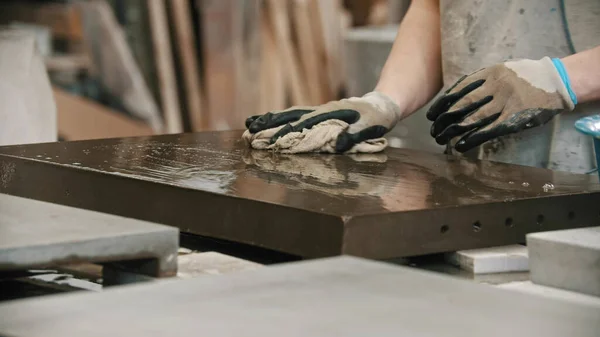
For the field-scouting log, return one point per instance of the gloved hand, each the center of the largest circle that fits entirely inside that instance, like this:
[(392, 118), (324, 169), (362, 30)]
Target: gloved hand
[(363, 119), (502, 99)]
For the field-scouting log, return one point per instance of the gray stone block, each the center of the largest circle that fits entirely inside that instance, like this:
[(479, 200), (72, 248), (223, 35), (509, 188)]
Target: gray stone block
[(536, 289), (567, 259), (340, 296), (35, 233)]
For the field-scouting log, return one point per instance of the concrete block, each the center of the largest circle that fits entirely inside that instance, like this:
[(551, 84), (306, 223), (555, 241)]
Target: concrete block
[(502, 259), (566, 259), (38, 234), (397, 204), (340, 296), (536, 289)]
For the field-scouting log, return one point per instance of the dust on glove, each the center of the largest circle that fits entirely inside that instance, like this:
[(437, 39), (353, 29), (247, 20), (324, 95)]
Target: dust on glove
[(351, 125), (500, 100)]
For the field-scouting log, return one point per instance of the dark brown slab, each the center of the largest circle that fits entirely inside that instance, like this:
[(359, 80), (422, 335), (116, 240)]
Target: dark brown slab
[(397, 203)]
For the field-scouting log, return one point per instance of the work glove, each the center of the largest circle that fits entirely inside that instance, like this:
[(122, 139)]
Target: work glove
[(349, 125), (500, 100)]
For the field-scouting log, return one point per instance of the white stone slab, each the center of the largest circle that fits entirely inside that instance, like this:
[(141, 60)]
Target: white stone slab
[(567, 259), (502, 259), (332, 297), (211, 263)]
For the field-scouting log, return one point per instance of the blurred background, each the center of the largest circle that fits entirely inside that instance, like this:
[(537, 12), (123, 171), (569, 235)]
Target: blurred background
[(142, 67)]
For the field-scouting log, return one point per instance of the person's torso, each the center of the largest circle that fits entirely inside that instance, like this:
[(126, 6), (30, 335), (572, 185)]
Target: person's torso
[(478, 33)]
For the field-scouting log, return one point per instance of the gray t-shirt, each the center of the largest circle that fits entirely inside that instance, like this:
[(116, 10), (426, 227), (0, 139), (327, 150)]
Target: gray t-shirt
[(479, 33)]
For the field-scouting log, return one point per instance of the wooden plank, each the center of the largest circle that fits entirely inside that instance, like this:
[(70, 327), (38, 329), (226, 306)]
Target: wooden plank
[(307, 50), (246, 47), (80, 118), (114, 64), (219, 70), (180, 12), (231, 53), (164, 66), (320, 51), (345, 22), (279, 14), (328, 16), (273, 93), (64, 20)]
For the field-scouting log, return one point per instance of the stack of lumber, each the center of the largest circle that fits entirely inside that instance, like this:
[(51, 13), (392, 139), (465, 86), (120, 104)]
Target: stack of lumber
[(198, 65), (266, 56)]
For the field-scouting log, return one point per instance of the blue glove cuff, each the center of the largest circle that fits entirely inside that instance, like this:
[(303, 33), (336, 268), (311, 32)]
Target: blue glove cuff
[(560, 67)]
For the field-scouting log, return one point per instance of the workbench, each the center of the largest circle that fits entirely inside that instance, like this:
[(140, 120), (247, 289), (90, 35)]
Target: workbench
[(396, 203)]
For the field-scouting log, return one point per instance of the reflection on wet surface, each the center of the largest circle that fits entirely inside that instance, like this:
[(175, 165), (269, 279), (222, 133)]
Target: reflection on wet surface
[(396, 180)]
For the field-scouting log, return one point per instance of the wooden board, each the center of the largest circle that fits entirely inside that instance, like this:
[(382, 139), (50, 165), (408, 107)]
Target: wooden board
[(188, 57), (231, 53), (307, 50), (113, 62), (80, 118), (247, 57), (279, 14), (218, 58), (329, 16), (314, 13), (272, 90), (165, 68), (63, 19)]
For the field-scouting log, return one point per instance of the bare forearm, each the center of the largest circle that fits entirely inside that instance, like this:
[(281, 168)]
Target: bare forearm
[(584, 73), (412, 74)]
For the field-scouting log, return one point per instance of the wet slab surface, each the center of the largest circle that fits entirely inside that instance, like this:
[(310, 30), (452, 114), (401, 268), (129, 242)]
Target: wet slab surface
[(340, 296), (40, 234), (396, 203)]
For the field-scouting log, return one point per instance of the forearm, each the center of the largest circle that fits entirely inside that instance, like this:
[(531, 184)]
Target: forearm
[(583, 70), (412, 74)]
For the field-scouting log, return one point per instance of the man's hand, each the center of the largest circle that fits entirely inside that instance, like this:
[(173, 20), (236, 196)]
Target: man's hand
[(503, 99), (369, 117)]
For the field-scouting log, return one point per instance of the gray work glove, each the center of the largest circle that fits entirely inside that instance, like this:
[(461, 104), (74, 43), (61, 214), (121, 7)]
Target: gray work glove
[(502, 99), (368, 118)]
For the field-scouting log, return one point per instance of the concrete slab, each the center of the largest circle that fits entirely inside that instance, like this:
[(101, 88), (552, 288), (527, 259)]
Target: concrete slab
[(37, 234), (385, 205), (333, 297), (536, 289), (567, 259), (501, 259)]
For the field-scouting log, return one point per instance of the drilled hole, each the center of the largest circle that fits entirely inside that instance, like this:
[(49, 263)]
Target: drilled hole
[(444, 229), (508, 222), (540, 219), (477, 226), (571, 215)]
